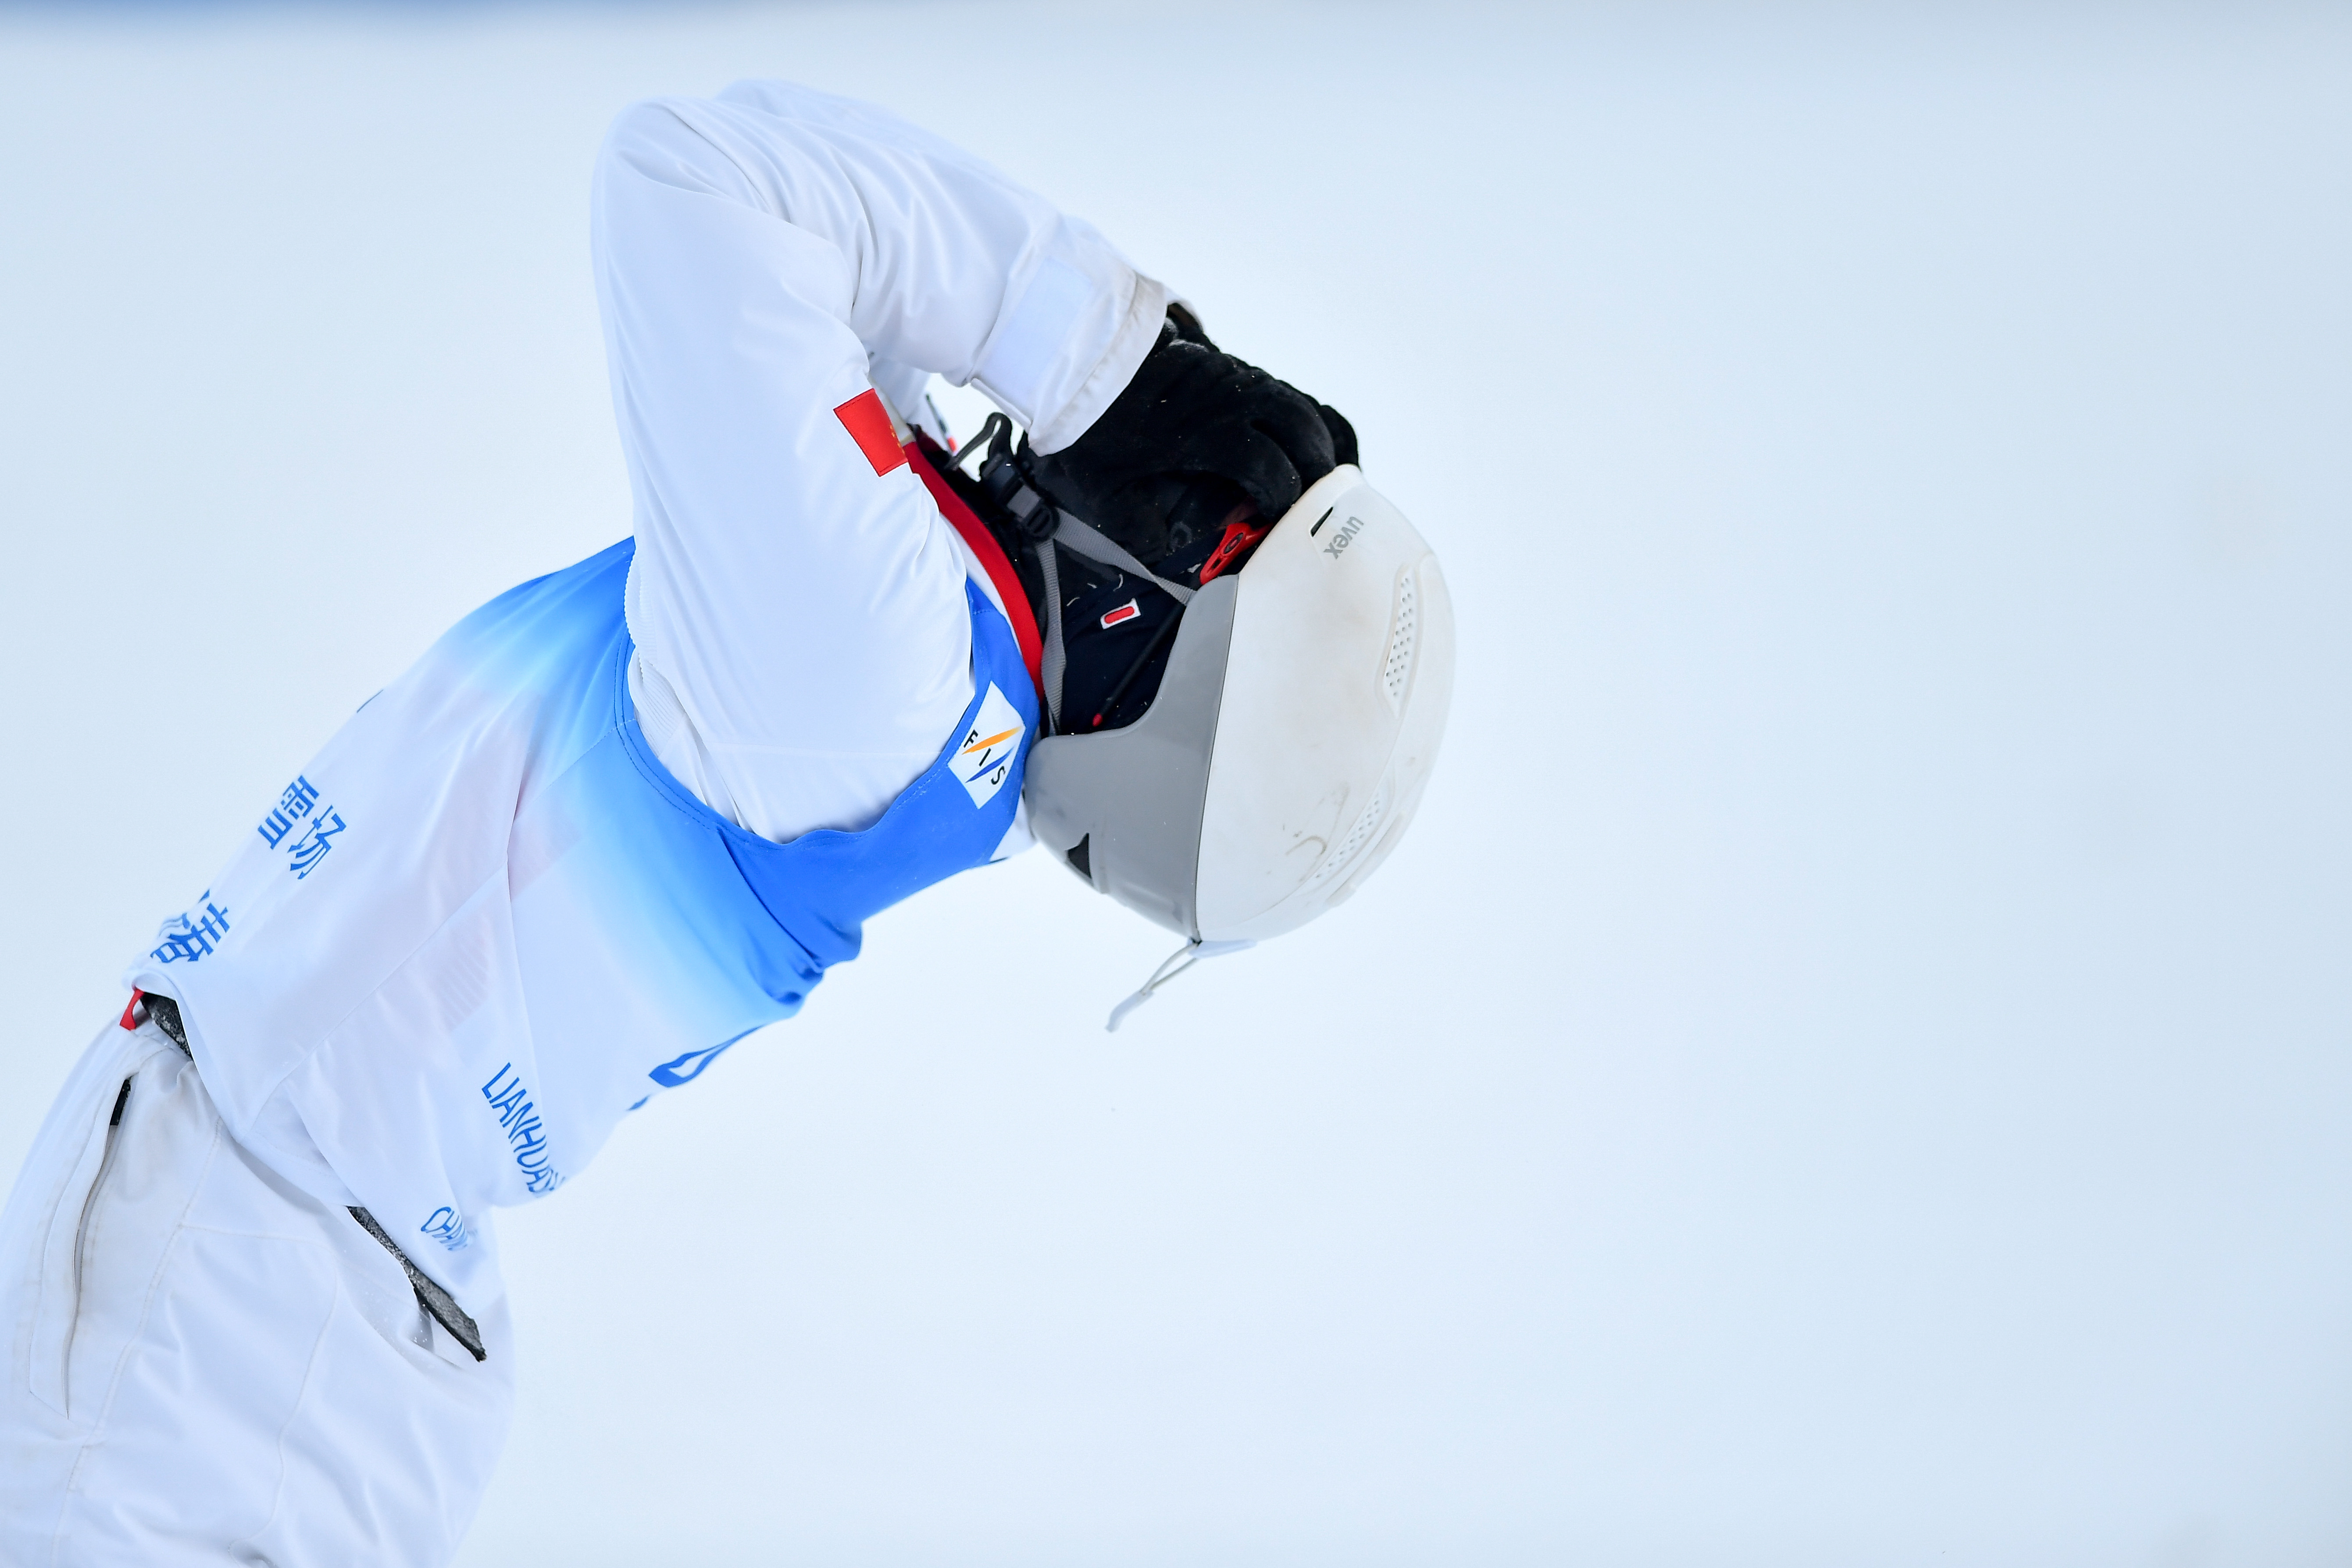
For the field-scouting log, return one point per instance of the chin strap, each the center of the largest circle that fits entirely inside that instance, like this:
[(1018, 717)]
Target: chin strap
[(1182, 959)]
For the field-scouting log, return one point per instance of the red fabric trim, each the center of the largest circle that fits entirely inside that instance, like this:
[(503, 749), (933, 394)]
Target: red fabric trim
[(991, 557), (868, 424), (137, 996)]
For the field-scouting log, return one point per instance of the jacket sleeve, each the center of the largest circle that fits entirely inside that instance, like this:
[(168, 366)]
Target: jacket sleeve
[(803, 646)]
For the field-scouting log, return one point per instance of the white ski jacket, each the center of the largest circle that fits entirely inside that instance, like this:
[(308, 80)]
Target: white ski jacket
[(572, 856)]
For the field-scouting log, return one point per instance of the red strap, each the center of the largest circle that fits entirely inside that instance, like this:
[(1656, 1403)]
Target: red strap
[(991, 556), (137, 996)]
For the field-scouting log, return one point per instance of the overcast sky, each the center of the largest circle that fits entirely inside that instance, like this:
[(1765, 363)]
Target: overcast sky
[(1851, 1067)]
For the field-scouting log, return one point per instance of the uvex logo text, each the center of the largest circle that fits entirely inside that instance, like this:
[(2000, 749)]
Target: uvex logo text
[(1343, 536)]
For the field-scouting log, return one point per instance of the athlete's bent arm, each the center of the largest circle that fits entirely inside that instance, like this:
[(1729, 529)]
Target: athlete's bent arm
[(755, 254)]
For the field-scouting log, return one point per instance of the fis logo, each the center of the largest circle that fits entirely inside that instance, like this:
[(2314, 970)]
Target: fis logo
[(984, 758)]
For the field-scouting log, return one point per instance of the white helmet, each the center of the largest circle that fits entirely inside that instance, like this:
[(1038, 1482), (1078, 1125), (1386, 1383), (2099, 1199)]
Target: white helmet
[(1288, 743)]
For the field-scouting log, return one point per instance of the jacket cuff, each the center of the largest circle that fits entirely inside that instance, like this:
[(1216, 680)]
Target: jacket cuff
[(1147, 311), (1071, 340)]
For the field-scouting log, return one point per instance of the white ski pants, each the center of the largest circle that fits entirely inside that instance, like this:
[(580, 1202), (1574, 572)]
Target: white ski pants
[(207, 1366)]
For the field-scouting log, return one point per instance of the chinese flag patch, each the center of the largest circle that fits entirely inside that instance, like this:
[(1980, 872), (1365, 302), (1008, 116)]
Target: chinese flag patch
[(868, 424), (1126, 612)]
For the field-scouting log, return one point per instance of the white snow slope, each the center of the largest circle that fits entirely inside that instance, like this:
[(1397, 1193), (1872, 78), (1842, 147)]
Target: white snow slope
[(1851, 1067)]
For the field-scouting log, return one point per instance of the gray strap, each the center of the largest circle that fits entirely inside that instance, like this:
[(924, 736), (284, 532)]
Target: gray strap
[(164, 1013), (1081, 538), (1051, 666), (429, 1294)]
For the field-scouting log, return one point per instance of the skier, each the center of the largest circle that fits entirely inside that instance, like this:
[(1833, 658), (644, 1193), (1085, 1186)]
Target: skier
[(626, 814)]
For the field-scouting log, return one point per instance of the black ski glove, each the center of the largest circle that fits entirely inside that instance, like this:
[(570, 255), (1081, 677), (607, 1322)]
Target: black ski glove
[(1196, 433)]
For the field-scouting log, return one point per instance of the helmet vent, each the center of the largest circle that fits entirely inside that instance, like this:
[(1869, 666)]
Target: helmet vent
[(1344, 854), (1398, 670)]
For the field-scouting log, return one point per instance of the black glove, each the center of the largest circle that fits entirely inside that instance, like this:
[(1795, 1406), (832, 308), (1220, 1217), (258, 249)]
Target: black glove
[(1196, 433)]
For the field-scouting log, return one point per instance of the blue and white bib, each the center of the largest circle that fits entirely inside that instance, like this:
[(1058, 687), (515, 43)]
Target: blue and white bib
[(484, 923)]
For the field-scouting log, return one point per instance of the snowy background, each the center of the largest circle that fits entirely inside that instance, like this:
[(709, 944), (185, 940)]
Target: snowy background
[(1853, 1064)]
